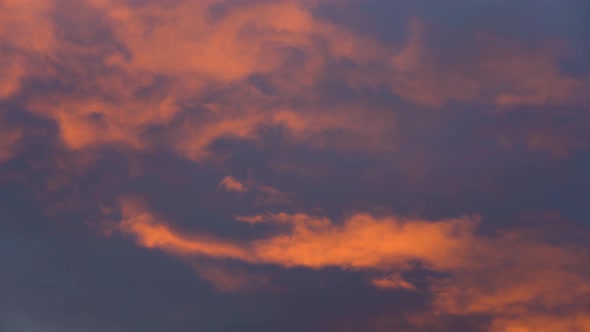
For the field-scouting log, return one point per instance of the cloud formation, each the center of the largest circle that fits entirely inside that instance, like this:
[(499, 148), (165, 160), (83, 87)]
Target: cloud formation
[(232, 185), (361, 242), (513, 277), (238, 69), (314, 165)]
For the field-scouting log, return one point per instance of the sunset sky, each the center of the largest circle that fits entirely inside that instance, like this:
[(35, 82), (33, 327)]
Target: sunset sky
[(294, 166)]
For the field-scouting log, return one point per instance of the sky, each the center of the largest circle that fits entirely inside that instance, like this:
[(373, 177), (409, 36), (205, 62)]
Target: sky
[(282, 165)]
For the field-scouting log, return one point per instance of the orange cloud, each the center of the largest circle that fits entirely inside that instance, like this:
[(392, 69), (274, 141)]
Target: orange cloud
[(197, 68), (521, 282), (151, 233), (572, 321), (487, 69), (190, 72), (202, 56), (183, 44), (512, 277), (231, 184), (26, 35), (10, 74), (187, 72), (393, 281), (362, 242), (264, 194), (112, 115)]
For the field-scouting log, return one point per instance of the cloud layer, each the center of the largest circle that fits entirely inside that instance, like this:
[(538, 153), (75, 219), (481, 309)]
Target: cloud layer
[(293, 165)]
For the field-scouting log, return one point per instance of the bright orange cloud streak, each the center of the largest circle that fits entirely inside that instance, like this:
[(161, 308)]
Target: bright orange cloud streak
[(153, 234), (361, 242), (510, 276), (364, 241), (575, 322)]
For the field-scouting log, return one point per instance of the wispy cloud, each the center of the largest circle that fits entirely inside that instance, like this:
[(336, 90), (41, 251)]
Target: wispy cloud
[(269, 144), (512, 276)]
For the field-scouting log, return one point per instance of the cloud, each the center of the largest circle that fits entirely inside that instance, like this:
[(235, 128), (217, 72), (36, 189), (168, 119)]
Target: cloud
[(185, 83), (26, 36), (231, 184), (360, 107), (191, 78), (361, 242), (517, 279), (513, 277), (9, 137), (152, 233), (393, 281), (364, 241), (544, 323), (264, 194), (486, 68), (245, 40)]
